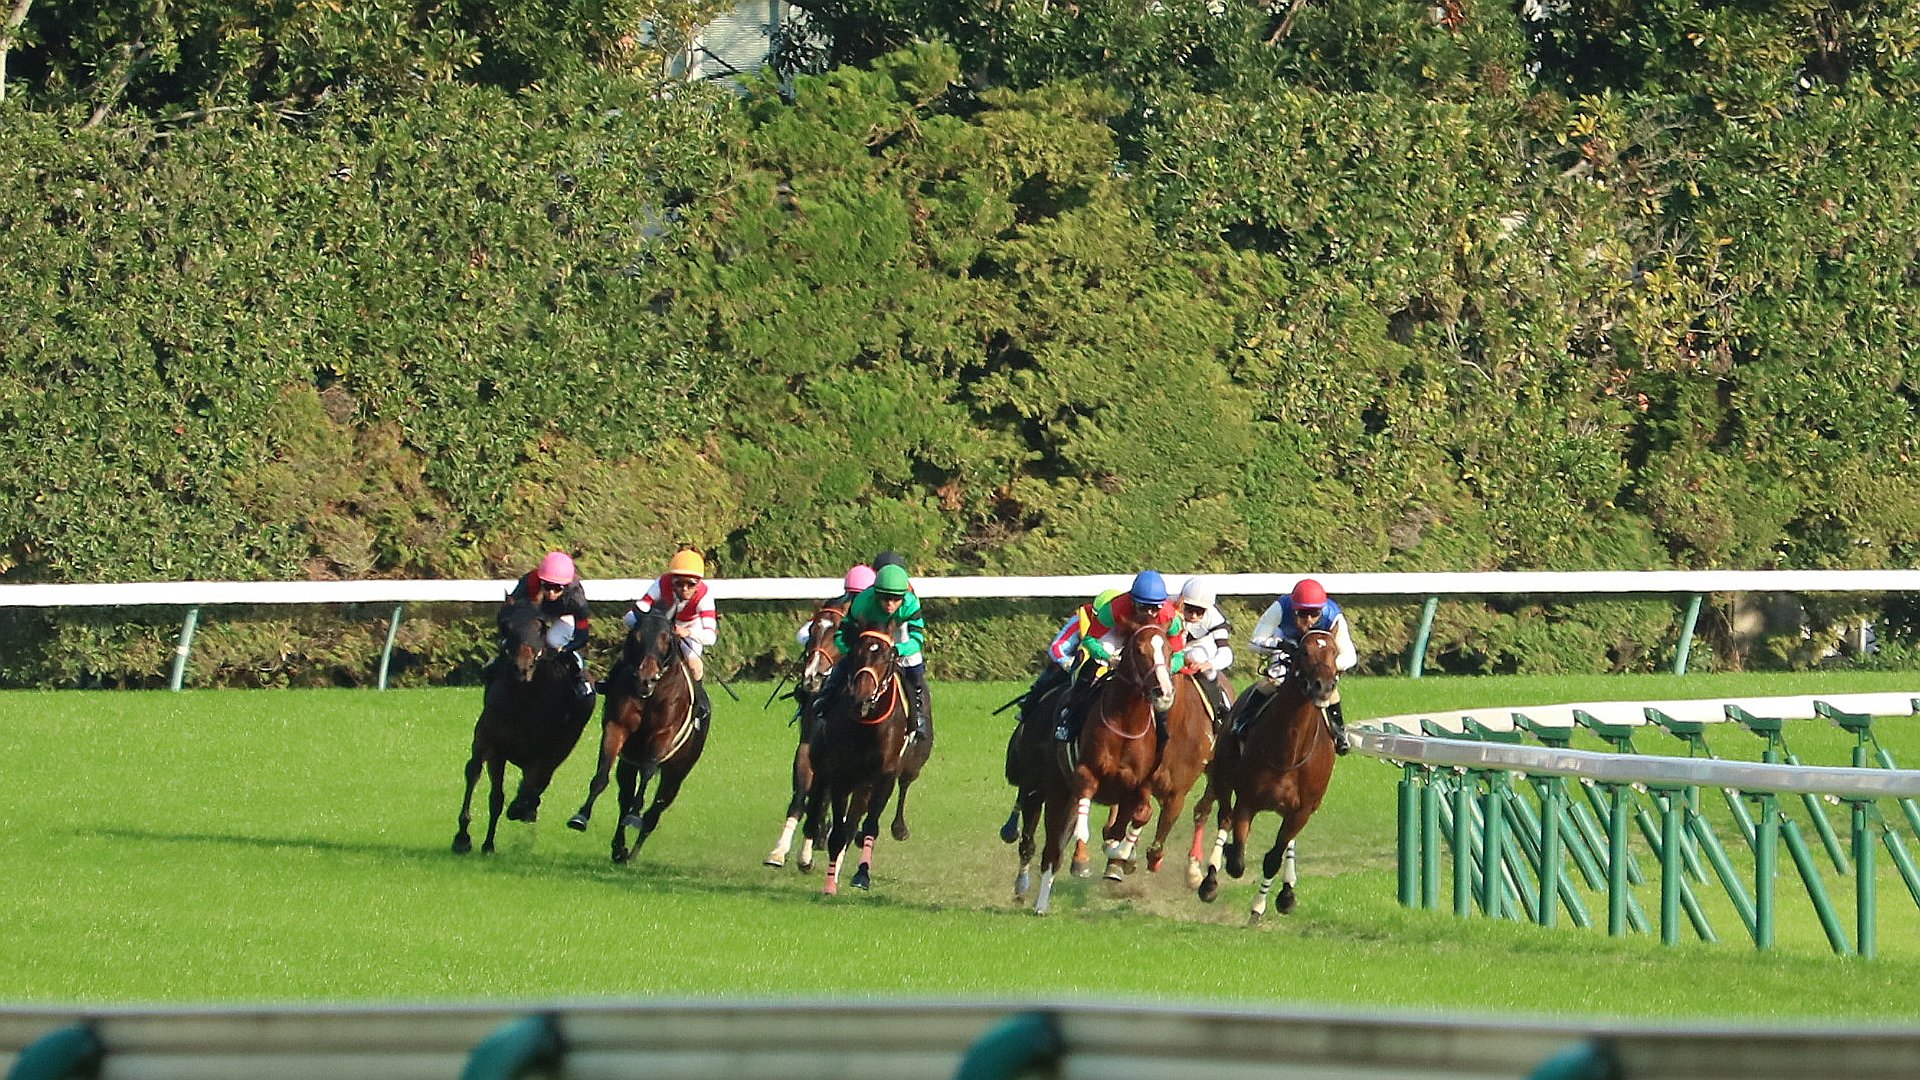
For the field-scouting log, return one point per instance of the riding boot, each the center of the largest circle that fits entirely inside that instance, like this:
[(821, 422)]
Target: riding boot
[(1339, 724), (1216, 697), (582, 685), (1067, 729), (702, 706), (1250, 707), (918, 712)]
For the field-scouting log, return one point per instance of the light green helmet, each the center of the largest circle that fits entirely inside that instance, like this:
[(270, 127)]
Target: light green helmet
[(891, 581)]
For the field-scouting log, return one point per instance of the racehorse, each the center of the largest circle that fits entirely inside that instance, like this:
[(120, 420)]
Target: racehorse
[(1282, 763), (857, 752), (1114, 758), (815, 663), (529, 716), (1191, 728), (652, 724)]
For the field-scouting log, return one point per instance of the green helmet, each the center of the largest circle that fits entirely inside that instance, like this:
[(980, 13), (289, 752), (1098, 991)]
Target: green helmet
[(891, 581)]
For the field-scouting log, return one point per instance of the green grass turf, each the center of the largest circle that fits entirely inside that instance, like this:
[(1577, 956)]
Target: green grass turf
[(266, 846)]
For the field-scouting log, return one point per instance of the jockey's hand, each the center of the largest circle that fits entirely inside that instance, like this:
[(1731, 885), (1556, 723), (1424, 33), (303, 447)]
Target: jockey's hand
[(1265, 644), (1098, 649), (682, 631)]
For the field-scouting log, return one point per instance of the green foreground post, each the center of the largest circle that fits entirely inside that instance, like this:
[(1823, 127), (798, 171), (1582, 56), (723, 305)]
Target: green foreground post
[(1766, 864), (1417, 655), (71, 1051), (516, 1049), (1408, 840), (1687, 623), (1013, 1046), (1863, 884)]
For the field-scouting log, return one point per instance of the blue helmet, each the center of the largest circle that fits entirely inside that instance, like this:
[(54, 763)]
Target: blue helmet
[(1149, 588)]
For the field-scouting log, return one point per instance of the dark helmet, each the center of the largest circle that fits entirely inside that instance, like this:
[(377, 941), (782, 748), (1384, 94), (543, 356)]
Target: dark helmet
[(888, 558)]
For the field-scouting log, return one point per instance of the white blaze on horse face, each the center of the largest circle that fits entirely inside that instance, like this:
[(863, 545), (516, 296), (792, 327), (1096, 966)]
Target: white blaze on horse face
[(1162, 681)]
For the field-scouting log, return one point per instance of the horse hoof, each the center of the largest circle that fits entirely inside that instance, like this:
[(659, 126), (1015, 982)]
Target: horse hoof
[(1195, 874), (806, 866), (622, 856), (1115, 871), (1129, 865), (775, 860), (1236, 865), (578, 823), (1253, 918), (1009, 832), (1021, 884), (462, 845), (1154, 859), (1284, 903), (486, 848), (1082, 868), (832, 889), (1209, 888), (901, 832), (861, 880)]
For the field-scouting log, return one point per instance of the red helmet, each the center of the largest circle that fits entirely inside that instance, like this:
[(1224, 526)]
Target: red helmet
[(1308, 594)]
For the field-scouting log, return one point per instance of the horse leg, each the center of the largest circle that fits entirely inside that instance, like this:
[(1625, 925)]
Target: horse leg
[(1209, 887), (875, 806), (1196, 863), (1026, 810), (1237, 846), (1059, 827), (534, 779), (1170, 808), (1120, 860), (613, 738), (837, 838), (1010, 831), (813, 830), (1082, 862), (1279, 861), (462, 840), (802, 780), (624, 777), (663, 796), (899, 828), (630, 815), (496, 799)]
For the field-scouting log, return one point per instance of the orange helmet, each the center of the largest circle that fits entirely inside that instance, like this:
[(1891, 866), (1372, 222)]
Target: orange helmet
[(687, 563)]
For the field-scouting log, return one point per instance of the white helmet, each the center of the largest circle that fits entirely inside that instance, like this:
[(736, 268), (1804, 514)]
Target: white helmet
[(1197, 592)]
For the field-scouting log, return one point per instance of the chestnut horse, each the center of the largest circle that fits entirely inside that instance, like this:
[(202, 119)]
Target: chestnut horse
[(815, 663), (1113, 760), (530, 716), (1282, 763), (857, 751), (1191, 732), (653, 724)]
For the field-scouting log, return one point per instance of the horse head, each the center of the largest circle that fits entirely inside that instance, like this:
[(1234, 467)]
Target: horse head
[(651, 651), (1315, 669), (871, 658), (821, 651), (525, 642), (1143, 665)]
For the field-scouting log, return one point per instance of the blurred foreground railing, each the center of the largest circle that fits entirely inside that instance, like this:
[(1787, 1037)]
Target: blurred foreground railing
[(911, 1041)]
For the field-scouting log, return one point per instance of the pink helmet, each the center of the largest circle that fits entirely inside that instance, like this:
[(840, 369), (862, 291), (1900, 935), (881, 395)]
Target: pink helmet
[(1308, 594), (556, 569), (860, 578)]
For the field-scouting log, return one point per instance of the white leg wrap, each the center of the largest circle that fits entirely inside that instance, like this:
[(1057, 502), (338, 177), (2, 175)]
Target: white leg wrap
[(786, 837), (1044, 896), (1260, 901), (1219, 848), (1286, 865), (1080, 832)]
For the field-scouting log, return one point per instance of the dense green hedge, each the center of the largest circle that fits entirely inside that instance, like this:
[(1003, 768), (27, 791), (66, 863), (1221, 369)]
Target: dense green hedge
[(1328, 325)]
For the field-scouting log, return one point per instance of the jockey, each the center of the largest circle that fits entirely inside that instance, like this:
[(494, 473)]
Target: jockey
[(1288, 619), (1208, 641), (554, 590), (1057, 672), (683, 595), (890, 607), (1106, 632)]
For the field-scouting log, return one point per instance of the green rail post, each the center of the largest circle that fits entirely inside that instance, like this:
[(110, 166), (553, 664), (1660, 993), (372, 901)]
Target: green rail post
[(1670, 865), (1901, 861), (1685, 646), (386, 653), (1694, 734), (1722, 867), (1766, 855), (1493, 879), (1816, 891), (1549, 855), (1015, 1045), (516, 1049), (182, 648), (1430, 842), (1463, 845), (1417, 654), (1864, 896), (71, 1051), (1770, 728), (1617, 894), (1408, 840)]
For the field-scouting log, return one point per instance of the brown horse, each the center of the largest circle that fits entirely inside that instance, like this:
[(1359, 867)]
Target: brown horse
[(1191, 730), (1282, 763), (530, 716), (822, 652), (1115, 757), (857, 752), (654, 724)]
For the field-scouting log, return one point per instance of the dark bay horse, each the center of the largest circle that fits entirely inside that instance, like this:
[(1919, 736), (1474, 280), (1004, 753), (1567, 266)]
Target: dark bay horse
[(651, 725), (857, 752), (1282, 763), (1115, 757), (815, 663), (530, 716)]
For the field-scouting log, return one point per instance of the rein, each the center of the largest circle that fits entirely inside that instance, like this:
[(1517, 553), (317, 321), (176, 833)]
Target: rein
[(888, 690)]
